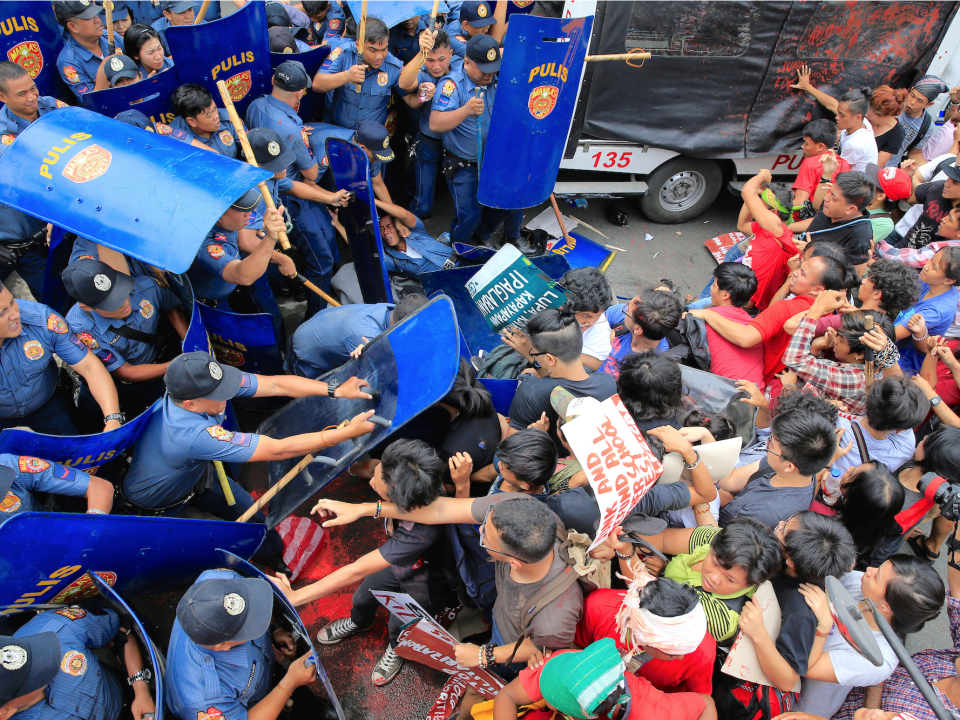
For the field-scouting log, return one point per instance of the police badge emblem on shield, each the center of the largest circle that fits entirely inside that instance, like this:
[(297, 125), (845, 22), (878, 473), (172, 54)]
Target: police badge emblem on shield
[(28, 56), (82, 588), (88, 164), (542, 101), (239, 85)]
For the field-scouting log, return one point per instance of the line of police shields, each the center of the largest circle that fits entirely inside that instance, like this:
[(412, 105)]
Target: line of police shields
[(83, 172)]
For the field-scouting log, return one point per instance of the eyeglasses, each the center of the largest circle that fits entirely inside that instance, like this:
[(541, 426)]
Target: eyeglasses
[(777, 454), (483, 537)]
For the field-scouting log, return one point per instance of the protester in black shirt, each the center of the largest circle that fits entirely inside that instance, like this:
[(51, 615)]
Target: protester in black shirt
[(938, 199), (843, 219)]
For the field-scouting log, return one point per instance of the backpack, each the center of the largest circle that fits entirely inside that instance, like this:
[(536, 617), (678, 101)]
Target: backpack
[(503, 362), (738, 699), (477, 584)]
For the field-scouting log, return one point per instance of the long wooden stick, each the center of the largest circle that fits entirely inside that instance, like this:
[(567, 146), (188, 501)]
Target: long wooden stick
[(111, 43), (224, 483), (268, 495), (563, 227), (431, 29), (203, 11), (361, 37), (619, 56), (264, 191)]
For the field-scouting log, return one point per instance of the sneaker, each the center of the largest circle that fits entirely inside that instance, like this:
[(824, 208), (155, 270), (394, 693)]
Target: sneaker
[(338, 630), (387, 667), (525, 246)]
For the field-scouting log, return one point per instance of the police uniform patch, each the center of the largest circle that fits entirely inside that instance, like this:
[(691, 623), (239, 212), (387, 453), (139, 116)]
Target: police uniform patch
[(10, 503), (13, 657), (74, 663), (287, 51), (217, 432), (70, 73), (382, 79), (33, 350), (212, 713), (101, 282), (220, 237), (72, 613), (333, 23), (448, 87), (57, 324), (482, 10), (8, 139), (216, 372), (116, 64), (305, 137), (226, 138), (163, 129), (88, 340), (29, 464), (146, 309), (461, 38), (233, 603), (61, 104), (273, 148), (491, 53), (216, 251), (335, 53), (86, 257)]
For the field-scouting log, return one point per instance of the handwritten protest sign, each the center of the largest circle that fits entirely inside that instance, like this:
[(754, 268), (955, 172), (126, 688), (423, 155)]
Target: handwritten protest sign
[(619, 464), (407, 610), (446, 702), (431, 645), (720, 245), (509, 290), (742, 661)]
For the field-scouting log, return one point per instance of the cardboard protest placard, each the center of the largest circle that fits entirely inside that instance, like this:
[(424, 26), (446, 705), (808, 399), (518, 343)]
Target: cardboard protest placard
[(720, 245), (407, 610), (620, 466), (431, 645), (742, 661), (509, 290), (448, 698)]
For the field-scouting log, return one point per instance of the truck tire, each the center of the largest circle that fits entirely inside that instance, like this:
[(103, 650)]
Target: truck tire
[(681, 189)]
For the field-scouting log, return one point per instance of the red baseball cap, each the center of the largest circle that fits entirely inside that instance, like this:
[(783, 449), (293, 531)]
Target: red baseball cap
[(893, 181)]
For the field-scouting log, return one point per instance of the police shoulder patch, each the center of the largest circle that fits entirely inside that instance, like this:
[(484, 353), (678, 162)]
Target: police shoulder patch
[(88, 340), (8, 139), (333, 23), (10, 503), (28, 464), (61, 104), (219, 433), (72, 613), (448, 87), (74, 663), (146, 309), (163, 129), (57, 324), (461, 38), (335, 53), (211, 713), (216, 251), (71, 74)]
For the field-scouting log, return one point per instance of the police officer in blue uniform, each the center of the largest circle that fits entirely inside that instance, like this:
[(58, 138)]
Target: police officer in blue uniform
[(328, 19), (22, 475), (377, 72), (220, 661), (30, 333), (198, 117), (284, 42), (408, 249), (121, 70), (475, 17), (49, 670), (404, 39), (371, 136), (462, 100), (171, 465), (312, 232), (418, 82), (84, 45), (118, 320), (22, 237), (175, 12), (218, 268)]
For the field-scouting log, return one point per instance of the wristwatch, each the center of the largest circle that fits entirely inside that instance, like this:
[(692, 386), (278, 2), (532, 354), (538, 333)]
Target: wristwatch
[(143, 674), (332, 386), (935, 400), (118, 416)]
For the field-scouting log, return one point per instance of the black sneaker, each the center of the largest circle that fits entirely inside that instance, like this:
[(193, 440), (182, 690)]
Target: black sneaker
[(525, 246)]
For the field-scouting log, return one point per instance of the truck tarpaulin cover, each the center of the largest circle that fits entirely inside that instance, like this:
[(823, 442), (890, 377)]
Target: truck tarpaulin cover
[(718, 83)]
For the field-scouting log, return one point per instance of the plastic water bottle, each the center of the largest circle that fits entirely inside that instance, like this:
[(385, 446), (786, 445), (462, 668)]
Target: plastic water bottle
[(831, 487)]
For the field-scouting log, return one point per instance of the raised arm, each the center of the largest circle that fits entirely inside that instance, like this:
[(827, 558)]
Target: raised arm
[(803, 83), (442, 511), (763, 215), (745, 336)]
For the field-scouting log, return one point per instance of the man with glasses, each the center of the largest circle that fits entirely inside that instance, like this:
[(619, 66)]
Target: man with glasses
[(200, 119), (520, 534)]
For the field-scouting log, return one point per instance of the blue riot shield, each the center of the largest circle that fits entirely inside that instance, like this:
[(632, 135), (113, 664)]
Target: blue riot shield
[(247, 342), (452, 284), (58, 257), (519, 7), (502, 392), (582, 252), (393, 13), (81, 452), (234, 49), (31, 37), (150, 96), (151, 654), (46, 555), (412, 366), (542, 62), (148, 196), (311, 104), (287, 615), (351, 171)]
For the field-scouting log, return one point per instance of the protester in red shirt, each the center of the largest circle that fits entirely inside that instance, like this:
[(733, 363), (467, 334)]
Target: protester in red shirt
[(819, 137), (772, 243), (733, 286), (814, 275), (592, 683), (674, 667)]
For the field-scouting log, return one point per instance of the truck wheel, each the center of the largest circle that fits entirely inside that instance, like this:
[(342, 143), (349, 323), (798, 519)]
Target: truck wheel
[(681, 189)]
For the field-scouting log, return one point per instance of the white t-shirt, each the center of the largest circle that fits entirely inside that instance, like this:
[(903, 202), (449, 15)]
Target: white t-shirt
[(851, 668), (596, 340), (893, 451), (412, 252), (860, 148)]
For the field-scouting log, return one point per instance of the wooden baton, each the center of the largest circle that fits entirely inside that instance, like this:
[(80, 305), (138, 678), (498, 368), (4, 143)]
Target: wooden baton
[(361, 37), (111, 43), (264, 190), (619, 56), (203, 11), (224, 483), (563, 227)]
